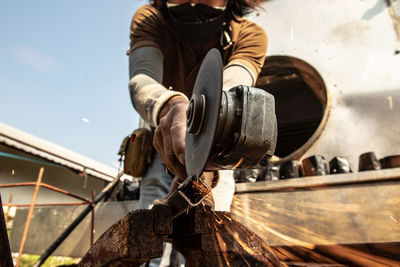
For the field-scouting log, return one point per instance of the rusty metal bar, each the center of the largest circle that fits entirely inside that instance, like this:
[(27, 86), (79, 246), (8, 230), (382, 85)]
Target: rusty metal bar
[(103, 194), (17, 184), (53, 188), (29, 216), (65, 192), (92, 221), (49, 204)]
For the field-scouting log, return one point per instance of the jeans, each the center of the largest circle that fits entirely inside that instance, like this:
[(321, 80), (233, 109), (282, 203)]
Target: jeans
[(156, 183)]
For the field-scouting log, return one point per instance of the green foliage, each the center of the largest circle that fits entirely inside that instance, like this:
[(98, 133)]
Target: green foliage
[(28, 260)]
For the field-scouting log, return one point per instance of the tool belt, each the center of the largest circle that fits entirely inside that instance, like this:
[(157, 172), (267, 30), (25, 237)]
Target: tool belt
[(136, 151)]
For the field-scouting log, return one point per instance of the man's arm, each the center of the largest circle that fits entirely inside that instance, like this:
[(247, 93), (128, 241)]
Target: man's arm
[(148, 95), (162, 108), (237, 74)]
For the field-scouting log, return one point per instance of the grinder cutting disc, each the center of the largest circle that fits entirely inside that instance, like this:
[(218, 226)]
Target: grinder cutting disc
[(202, 113)]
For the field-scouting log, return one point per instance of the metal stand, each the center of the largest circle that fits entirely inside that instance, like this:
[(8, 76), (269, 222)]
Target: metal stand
[(203, 236), (103, 194)]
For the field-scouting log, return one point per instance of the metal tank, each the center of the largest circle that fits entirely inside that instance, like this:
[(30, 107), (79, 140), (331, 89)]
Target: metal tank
[(332, 192), (347, 53)]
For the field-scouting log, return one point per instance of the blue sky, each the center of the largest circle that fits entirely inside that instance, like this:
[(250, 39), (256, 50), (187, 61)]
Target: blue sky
[(64, 72)]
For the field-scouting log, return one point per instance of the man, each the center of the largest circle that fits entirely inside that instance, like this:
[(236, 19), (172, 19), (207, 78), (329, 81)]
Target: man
[(169, 40)]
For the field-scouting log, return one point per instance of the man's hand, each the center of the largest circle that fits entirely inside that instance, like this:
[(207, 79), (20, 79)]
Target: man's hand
[(170, 134)]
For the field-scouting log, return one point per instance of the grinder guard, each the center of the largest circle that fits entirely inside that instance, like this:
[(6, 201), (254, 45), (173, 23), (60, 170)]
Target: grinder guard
[(229, 129)]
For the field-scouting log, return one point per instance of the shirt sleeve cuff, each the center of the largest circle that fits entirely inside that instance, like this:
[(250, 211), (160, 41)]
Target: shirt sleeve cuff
[(245, 66), (161, 100)]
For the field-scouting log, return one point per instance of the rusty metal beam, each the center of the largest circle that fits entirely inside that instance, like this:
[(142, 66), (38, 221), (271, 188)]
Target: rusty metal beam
[(47, 204), (92, 230), (53, 188)]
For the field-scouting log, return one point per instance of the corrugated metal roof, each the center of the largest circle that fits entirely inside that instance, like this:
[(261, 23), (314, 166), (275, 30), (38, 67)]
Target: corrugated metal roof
[(54, 153)]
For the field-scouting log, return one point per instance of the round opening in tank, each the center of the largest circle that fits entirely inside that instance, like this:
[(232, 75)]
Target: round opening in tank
[(301, 103)]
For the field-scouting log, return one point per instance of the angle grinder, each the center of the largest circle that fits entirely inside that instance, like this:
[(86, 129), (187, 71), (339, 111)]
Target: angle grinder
[(227, 129), (234, 129)]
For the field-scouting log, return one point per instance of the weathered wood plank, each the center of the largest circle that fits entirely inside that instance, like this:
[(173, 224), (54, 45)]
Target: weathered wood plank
[(366, 209)]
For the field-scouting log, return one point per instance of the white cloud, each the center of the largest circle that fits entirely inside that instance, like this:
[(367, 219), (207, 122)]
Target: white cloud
[(33, 58)]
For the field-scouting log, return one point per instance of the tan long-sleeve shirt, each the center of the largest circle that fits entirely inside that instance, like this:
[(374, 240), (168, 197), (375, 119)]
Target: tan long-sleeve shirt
[(181, 61)]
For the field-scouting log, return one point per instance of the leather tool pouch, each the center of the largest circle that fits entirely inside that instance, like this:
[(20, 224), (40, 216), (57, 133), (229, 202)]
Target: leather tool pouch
[(137, 152)]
